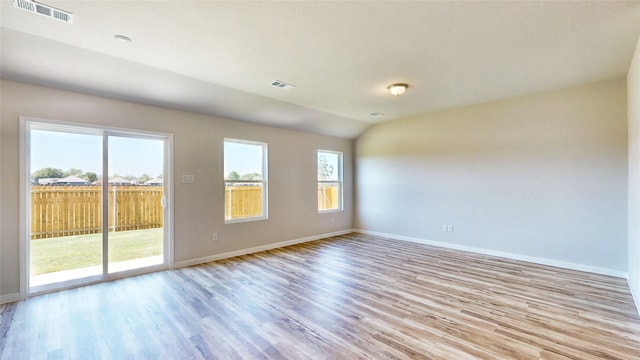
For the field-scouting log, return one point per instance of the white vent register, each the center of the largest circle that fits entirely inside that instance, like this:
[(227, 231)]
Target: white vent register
[(282, 85), (44, 10)]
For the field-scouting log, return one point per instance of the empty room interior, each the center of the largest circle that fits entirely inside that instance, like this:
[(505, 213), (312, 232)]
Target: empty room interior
[(319, 180)]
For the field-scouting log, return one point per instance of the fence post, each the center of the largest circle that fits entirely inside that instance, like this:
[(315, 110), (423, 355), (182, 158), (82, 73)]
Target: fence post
[(114, 208)]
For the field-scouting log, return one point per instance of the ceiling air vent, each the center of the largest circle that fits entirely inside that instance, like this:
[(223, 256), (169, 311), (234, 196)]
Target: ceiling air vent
[(376, 114), (282, 85), (44, 10)]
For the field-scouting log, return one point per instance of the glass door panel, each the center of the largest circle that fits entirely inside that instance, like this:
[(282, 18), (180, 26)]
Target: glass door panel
[(136, 199), (65, 206), (84, 225)]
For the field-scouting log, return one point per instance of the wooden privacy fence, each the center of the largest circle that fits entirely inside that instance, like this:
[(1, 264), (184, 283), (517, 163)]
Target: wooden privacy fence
[(242, 201), (76, 210), (327, 197), (246, 201)]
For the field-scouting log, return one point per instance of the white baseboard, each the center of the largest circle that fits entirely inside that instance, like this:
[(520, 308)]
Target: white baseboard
[(507, 255), (9, 298), (256, 249)]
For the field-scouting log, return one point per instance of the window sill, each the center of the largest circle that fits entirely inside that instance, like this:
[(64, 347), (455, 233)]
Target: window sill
[(242, 220), (330, 211)]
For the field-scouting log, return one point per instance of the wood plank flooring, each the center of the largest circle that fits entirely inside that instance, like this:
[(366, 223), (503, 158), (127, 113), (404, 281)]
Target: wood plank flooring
[(347, 297)]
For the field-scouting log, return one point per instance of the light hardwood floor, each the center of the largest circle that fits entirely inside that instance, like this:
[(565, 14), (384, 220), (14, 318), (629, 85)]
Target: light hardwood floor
[(348, 297)]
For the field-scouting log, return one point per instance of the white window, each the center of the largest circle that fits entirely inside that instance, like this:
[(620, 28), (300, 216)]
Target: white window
[(329, 180), (245, 178)]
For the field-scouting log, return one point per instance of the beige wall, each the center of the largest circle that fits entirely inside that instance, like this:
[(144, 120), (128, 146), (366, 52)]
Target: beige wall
[(541, 176), (633, 96), (198, 144)]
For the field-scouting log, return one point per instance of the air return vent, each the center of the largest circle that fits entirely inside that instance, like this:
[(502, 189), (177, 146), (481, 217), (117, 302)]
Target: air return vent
[(44, 10), (282, 85)]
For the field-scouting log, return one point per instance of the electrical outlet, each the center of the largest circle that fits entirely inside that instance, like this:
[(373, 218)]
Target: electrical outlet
[(332, 220), (214, 237), (444, 227)]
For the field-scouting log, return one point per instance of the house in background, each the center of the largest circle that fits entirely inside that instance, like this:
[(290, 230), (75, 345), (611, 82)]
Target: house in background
[(47, 181), (73, 180), (120, 181), (518, 134), (154, 182), (70, 180)]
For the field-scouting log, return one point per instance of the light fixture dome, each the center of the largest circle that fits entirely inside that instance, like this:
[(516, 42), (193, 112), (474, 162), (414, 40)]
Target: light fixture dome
[(397, 89), (122, 38)]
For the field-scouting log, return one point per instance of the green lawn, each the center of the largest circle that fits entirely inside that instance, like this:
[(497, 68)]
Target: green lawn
[(72, 252)]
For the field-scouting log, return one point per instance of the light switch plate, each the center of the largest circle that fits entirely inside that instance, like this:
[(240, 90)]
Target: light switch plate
[(188, 179)]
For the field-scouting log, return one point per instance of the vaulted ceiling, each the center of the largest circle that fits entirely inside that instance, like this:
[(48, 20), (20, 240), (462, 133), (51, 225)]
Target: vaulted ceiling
[(219, 58)]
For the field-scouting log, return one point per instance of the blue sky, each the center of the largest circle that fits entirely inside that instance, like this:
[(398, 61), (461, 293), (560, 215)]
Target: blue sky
[(243, 158), (127, 156)]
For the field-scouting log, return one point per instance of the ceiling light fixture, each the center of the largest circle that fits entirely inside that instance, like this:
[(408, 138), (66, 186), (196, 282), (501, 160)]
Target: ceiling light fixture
[(122, 38), (397, 89)]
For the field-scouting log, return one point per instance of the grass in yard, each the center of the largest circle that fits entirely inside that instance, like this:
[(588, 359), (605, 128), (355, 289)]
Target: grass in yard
[(72, 252)]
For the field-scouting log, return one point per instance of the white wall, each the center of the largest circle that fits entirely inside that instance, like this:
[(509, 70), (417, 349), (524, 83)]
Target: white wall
[(633, 103), (541, 176), (198, 144)]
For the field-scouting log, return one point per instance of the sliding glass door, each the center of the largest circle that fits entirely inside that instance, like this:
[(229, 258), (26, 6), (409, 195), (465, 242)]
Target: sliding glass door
[(97, 203), (66, 206), (136, 198)]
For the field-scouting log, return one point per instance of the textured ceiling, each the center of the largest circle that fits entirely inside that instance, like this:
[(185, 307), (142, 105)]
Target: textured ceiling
[(218, 58)]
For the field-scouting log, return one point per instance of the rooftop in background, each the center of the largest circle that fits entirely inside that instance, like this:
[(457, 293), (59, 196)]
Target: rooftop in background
[(69, 180)]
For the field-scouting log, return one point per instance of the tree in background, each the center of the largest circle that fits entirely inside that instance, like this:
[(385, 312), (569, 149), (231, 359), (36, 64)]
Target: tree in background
[(47, 173), (53, 173), (325, 170), (91, 176), (144, 178), (233, 175)]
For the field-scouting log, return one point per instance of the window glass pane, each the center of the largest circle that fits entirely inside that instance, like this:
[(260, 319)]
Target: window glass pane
[(328, 166), (66, 206), (328, 196), (135, 192), (242, 161), (243, 200), (329, 180), (245, 180)]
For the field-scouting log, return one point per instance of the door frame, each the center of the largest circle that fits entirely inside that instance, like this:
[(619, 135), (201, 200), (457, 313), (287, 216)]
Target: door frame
[(26, 124)]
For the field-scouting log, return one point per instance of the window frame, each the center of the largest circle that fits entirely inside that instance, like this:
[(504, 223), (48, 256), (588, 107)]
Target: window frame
[(263, 181), (339, 182)]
